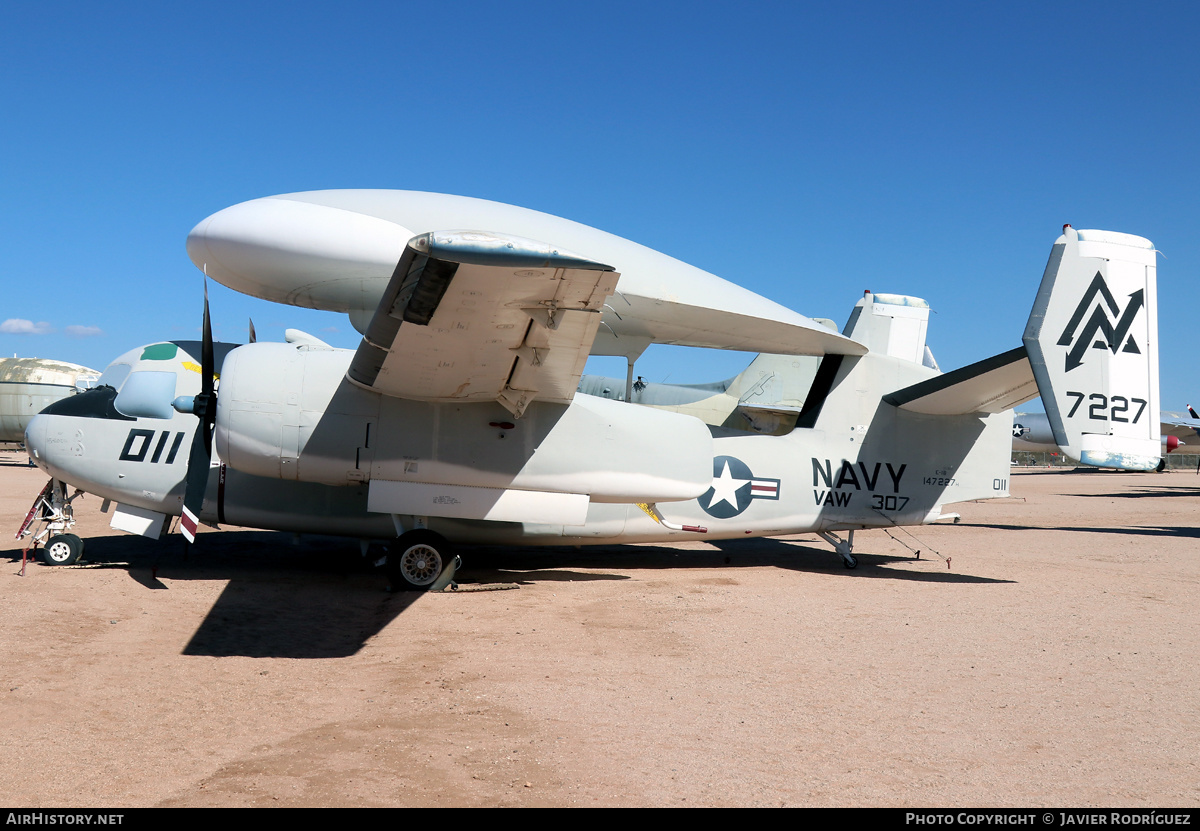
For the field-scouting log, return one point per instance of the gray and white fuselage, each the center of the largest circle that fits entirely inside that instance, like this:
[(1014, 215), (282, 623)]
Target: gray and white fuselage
[(860, 465)]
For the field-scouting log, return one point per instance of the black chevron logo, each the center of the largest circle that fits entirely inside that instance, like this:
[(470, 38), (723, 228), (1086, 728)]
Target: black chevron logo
[(1100, 332)]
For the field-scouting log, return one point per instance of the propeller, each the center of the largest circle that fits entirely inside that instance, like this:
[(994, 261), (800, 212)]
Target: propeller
[(204, 407)]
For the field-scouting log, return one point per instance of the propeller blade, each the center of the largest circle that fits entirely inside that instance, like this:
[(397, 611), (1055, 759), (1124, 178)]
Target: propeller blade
[(205, 408), (253, 337), (206, 350), (197, 481)]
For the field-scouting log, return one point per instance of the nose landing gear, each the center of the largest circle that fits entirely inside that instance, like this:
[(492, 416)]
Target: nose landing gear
[(62, 550), (47, 525)]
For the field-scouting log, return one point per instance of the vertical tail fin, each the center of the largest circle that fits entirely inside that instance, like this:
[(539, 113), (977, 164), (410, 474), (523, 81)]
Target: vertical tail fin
[(1092, 340), (892, 324)]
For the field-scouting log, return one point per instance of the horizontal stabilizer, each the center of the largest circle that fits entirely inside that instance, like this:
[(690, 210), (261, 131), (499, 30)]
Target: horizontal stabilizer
[(992, 385)]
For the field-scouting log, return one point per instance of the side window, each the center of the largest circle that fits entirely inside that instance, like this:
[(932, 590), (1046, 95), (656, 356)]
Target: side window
[(147, 394)]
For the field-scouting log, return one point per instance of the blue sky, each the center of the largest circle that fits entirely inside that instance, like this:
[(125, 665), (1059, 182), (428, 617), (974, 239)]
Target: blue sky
[(806, 152)]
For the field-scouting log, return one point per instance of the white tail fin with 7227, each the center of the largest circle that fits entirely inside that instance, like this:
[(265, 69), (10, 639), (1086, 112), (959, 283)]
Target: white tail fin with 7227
[(1092, 340)]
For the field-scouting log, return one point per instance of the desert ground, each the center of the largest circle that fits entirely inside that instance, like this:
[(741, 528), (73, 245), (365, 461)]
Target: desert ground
[(1041, 653)]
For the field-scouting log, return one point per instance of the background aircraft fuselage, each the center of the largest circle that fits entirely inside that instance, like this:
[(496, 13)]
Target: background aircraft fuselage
[(27, 385)]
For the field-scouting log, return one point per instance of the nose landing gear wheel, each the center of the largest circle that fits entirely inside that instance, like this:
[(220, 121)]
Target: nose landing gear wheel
[(417, 559), (62, 550)]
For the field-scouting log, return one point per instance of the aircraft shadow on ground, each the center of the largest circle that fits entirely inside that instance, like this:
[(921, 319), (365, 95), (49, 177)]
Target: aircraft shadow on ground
[(322, 599), (1082, 470), (1176, 490), (1151, 531), (534, 565)]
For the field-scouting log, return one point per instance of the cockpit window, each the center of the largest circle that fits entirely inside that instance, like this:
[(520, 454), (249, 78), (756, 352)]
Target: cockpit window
[(114, 376), (147, 394)]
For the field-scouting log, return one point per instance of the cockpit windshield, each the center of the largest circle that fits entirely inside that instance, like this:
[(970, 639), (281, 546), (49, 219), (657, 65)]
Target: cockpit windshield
[(114, 376)]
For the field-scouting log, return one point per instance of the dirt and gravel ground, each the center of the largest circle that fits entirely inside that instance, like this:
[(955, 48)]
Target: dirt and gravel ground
[(1042, 653)]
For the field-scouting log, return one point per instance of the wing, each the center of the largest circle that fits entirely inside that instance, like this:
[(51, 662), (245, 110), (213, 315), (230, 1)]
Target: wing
[(475, 316)]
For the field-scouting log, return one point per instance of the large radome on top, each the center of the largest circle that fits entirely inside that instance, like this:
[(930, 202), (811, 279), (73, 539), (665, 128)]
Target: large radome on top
[(336, 250)]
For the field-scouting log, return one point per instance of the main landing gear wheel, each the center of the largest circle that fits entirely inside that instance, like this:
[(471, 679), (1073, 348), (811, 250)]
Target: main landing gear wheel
[(62, 550), (842, 547), (417, 559)]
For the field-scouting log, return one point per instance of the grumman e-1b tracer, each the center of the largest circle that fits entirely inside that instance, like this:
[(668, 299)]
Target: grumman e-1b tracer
[(459, 417)]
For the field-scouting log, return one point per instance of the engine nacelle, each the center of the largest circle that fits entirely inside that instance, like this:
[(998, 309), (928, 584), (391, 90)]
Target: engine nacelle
[(277, 399)]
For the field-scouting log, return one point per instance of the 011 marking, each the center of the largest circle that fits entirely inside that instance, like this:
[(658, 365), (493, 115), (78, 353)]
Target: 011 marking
[(138, 443)]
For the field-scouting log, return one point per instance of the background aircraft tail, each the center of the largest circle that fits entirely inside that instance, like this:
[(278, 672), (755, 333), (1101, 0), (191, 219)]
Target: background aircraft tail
[(1092, 340)]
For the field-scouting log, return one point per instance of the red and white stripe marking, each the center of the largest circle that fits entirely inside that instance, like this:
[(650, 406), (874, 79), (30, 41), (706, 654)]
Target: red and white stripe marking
[(765, 488), (187, 525)]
